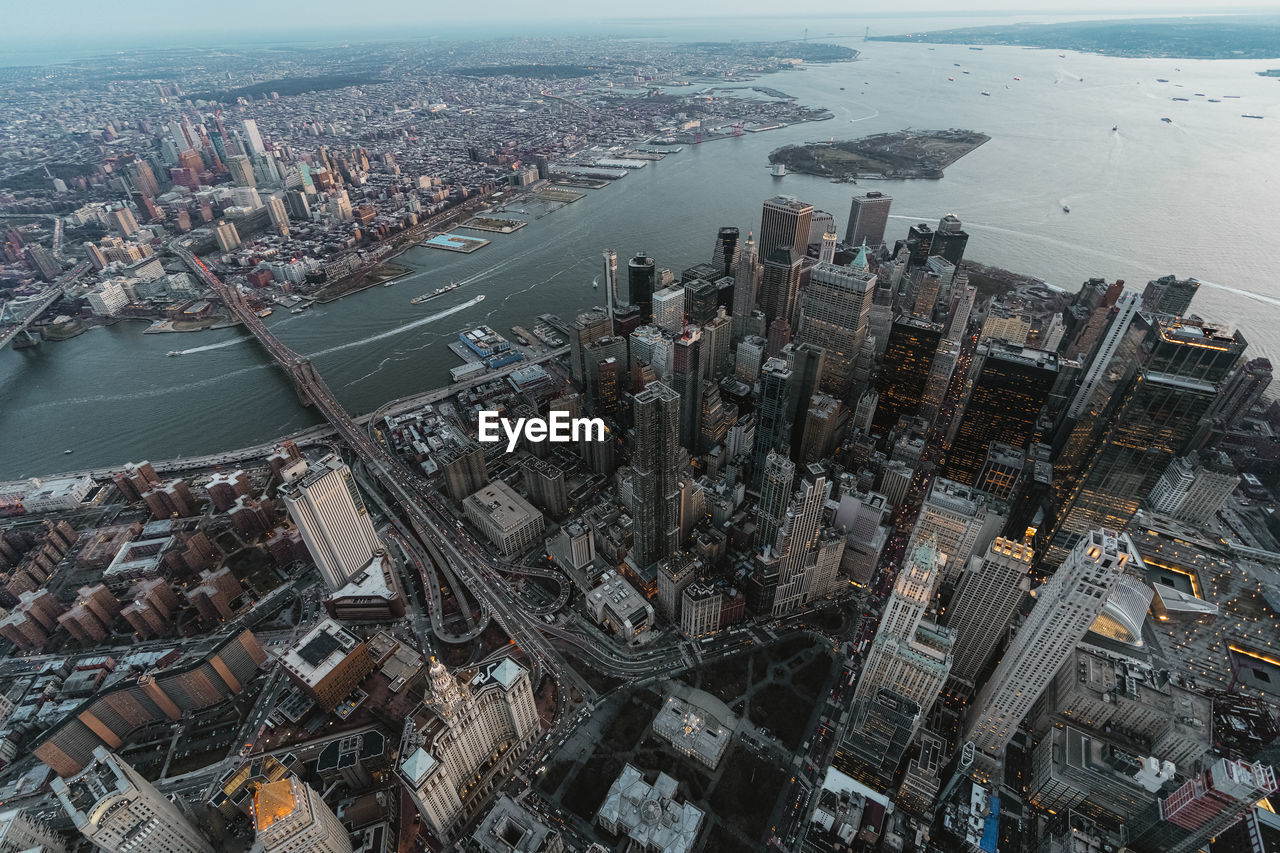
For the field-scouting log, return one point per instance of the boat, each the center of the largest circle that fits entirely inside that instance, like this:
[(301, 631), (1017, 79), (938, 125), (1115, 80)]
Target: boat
[(1017, 78), (296, 311), (174, 352), (480, 298), (962, 71), (951, 79), (1182, 99), (68, 451), (265, 312), (1167, 120), (1114, 128), (1161, 80), (1062, 56), (842, 88), (388, 283), (779, 170), (1249, 115), (1066, 209), (956, 64), (988, 94), (975, 48), (1214, 101), (439, 291)]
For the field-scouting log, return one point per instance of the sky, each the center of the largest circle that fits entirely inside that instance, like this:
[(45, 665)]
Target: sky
[(133, 23)]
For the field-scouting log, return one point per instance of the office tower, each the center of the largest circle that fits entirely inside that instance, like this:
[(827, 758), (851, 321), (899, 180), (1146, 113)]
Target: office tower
[(43, 262), (1169, 296), (668, 309), (121, 219), (1126, 308), (780, 283), (939, 382), (749, 357), (641, 282), (1240, 394), (784, 224), (279, 215), (716, 418), (253, 137), (820, 223), (290, 817), (919, 242), (827, 254), (22, 832), (773, 424), (114, 807), (725, 255), (144, 178), (587, 327), (686, 379), (656, 456), (960, 520), (1208, 803), (949, 240), (834, 312), (227, 235), (877, 737), (807, 363), (807, 560), (1004, 405), (1066, 605), (610, 282), (779, 337), (325, 503), (241, 171), (715, 346), (545, 482), (746, 279), (908, 360), (909, 655), (775, 498), (699, 301), (868, 217), (985, 601), (823, 425), (1194, 487), (465, 471), (1091, 310), (1161, 414), (480, 726)]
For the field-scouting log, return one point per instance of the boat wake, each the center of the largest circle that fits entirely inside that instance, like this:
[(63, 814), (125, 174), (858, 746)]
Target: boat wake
[(390, 333)]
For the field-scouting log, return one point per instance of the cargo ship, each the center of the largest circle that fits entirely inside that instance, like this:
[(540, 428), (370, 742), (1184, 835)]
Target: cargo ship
[(439, 291)]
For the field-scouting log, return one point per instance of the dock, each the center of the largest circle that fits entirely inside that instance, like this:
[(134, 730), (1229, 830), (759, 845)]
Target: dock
[(455, 243)]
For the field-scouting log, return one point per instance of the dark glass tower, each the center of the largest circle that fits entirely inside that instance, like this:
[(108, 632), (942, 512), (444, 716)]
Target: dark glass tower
[(641, 275), (784, 224), (725, 256), (686, 378), (773, 422), (655, 459), (908, 359), (780, 283)]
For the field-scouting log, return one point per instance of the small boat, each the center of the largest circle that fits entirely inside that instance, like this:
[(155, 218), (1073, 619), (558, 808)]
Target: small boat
[(988, 94), (296, 311), (962, 71), (1167, 120), (951, 79), (174, 352), (68, 451), (1114, 128), (975, 48), (1017, 78), (388, 283), (1182, 99), (1161, 80), (265, 312), (1066, 209), (1249, 115), (842, 88), (956, 64), (480, 298), (1062, 56), (1214, 101)]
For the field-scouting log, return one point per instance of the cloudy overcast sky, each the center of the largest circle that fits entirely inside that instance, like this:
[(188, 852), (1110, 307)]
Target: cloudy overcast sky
[(137, 21)]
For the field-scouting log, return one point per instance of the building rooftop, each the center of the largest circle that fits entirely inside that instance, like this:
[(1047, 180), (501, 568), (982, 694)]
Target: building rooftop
[(316, 655)]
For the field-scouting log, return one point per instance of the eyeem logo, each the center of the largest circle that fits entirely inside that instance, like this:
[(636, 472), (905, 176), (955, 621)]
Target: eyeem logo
[(558, 428)]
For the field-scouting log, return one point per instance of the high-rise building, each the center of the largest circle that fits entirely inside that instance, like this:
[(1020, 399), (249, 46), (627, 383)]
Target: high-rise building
[(985, 601), (1003, 405), (868, 217), (641, 282), (1242, 391), (773, 421), (724, 257), (1126, 308), (775, 498), (1194, 487), (468, 730), (121, 219), (807, 560), (834, 312), (949, 240), (1066, 605), (908, 361), (114, 807), (686, 379), (1161, 413), (325, 503), (668, 309), (588, 327), (290, 817), (1209, 802), (227, 236), (241, 171), (21, 832), (910, 655), (1169, 296), (465, 470), (252, 137), (746, 278), (784, 224), (780, 283), (656, 456), (279, 215), (873, 745)]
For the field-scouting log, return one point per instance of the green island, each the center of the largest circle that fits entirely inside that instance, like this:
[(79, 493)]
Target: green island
[(900, 155)]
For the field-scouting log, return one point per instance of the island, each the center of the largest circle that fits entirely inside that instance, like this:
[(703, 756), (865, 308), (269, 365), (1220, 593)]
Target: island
[(1234, 37), (901, 155)]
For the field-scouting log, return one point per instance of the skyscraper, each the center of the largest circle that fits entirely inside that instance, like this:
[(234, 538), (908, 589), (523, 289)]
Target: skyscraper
[(725, 255), (773, 424), (877, 737), (1066, 605), (655, 459), (780, 283), (1240, 394), (641, 278), (908, 360), (949, 240), (686, 379), (803, 573), (775, 497), (746, 277), (868, 217), (253, 137), (1004, 405), (808, 363), (1161, 414), (784, 224), (1209, 802), (985, 602), (588, 327), (834, 312), (1126, 308), (325, 503), (114, 807), (1169, 296), (241, 171), (290, 817)]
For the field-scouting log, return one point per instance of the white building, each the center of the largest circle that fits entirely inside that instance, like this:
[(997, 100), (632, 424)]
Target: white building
[(464, 740), (1193, 488), (649, 814), (290, 817), (668, 309), (618, 607), (692, 731), (114, 807), (56, 494), (325, 503), (507, 520), (108, 299)]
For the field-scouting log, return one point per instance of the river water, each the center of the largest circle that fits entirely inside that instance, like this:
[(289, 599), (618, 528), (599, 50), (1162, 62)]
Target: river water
[(1196, 197)]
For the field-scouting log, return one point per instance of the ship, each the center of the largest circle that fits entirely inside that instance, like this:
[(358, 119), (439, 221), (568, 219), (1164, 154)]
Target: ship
[(1167, 120), (1115, 127), (779, 170), (439, 291), (68, 451), (1182, 99), (988, 94), (951, 79), (296, 311), (174, 352), (1161, 80), (1249, 115), (265, 312), (1066, 209)]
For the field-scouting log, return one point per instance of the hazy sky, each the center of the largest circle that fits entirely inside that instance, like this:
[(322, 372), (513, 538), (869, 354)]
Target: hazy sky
[(138, 21)]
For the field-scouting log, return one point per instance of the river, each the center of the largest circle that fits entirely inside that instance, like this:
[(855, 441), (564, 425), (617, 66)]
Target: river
[(1195, 197)]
